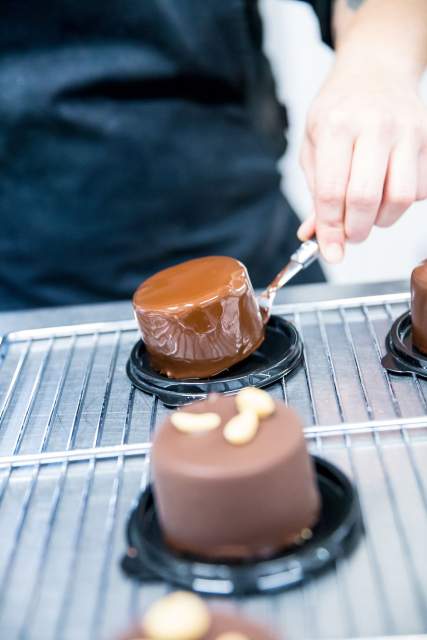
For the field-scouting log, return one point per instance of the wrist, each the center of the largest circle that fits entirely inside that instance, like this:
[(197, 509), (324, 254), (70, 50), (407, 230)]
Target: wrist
[(385, 36), (374, 64)]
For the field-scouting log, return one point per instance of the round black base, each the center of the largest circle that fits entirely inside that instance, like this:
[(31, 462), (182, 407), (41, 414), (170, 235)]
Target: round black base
[(402, 358), (149, 559), (279, 354)]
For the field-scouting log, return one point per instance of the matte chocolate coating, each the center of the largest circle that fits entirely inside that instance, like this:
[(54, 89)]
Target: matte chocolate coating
[(419, 307), (222, 501), (226, 621), (223, 620), (199, 317)]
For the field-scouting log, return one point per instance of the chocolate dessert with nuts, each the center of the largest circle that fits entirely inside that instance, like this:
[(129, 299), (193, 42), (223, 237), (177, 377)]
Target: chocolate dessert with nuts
[(419, 307), (199, 317), (185, 616), (232, 478)]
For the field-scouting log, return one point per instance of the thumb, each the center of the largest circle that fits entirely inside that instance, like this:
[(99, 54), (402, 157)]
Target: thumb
[(307, 228)]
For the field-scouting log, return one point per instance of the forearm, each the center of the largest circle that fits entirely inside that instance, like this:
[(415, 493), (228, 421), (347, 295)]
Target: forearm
[(381, 33)]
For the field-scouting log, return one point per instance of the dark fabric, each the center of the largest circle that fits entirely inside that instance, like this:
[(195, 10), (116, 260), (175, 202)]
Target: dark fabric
[(134, 135)]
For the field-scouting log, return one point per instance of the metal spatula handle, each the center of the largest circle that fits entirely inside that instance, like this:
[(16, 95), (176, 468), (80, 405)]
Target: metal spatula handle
[(306, 253), (300, 259)]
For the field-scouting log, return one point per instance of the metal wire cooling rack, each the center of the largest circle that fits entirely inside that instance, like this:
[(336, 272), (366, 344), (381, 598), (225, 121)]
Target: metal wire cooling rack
[(74, 439)]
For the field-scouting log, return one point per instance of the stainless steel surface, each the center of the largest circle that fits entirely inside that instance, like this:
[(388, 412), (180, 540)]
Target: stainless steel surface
[(302, 258), (74, 439)]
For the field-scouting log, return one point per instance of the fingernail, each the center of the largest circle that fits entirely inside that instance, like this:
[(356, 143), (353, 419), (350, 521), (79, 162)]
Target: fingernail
[(302, 232), (333, 252)]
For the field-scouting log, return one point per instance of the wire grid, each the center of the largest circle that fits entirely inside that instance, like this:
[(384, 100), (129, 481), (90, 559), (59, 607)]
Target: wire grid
[(74, 439)]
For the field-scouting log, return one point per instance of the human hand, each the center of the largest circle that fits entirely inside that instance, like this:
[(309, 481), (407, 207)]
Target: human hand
[(364, 155)]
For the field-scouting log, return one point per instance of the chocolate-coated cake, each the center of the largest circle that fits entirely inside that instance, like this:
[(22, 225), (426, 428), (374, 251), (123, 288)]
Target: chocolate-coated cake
[(199, 317), (419, 307), (185, 616), (233, 490)]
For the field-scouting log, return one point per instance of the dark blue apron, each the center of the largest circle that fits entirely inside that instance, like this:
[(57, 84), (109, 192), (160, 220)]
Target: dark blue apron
[(134, 134)]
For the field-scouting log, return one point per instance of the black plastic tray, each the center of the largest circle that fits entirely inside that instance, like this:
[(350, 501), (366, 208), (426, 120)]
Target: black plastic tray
[(149, 559), (402, 358), (278, 356)]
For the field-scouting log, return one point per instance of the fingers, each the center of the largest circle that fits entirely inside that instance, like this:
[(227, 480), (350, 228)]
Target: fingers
[(401, 184), (307, 229), (365, 187), (360, 178), (307, 163), (332, 168)]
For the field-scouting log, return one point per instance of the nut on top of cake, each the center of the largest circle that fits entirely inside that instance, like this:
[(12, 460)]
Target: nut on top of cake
[(185, 616)]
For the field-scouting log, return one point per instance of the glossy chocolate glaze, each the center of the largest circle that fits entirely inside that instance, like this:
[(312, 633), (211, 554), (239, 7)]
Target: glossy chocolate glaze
[(223, 621), (216, 500), (419, 307), (199, 317)]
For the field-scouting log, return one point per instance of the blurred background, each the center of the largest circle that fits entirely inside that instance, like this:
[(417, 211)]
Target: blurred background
[(300, 63)]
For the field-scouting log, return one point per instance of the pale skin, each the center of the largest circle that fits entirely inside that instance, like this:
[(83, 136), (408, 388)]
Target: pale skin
[(364, 152)]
